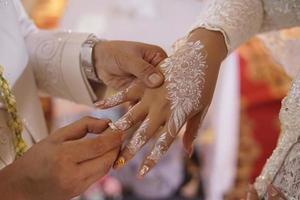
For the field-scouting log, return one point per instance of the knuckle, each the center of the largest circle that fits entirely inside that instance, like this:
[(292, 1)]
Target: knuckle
[(145, 70), (98, 146)]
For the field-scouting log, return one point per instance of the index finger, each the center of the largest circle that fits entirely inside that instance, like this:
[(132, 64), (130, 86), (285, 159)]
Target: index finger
[(80, 129)]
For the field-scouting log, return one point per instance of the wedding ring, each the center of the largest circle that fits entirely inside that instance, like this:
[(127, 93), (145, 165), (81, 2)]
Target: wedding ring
[(123, 124), (113, 126)]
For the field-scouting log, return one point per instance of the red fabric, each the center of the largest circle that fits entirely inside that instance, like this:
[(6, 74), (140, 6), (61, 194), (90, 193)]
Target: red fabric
[(262, 109)]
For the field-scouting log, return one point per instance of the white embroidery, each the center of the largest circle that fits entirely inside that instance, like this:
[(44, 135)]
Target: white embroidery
[(185, 75), (46, 58), (239, 20)]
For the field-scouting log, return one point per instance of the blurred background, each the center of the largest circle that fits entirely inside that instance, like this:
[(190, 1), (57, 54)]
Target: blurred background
[(239, 132)]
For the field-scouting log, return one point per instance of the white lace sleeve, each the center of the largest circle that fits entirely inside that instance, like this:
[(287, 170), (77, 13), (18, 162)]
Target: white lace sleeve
[(239, 20), (284, 46), (55, 58)]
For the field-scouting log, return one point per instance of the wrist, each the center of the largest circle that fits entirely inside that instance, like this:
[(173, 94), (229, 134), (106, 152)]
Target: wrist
[(87, 58), (10, 184), (213, 41)]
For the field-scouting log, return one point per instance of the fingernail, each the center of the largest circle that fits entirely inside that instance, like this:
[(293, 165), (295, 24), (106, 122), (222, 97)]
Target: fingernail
[(272, 191), (99, 103), (251, 192), (144, 170), (249, 195), (190, 152), (120, 163), (155, 78)]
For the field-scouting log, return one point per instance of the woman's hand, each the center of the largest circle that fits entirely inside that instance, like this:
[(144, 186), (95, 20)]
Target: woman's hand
[(273, 194), (190, 76)]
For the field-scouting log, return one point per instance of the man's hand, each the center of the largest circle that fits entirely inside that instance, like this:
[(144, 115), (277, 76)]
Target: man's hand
[(118, 63), (64, 165)]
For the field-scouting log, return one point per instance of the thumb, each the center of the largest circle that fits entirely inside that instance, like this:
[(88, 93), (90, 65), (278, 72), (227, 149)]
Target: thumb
[(145, 72)]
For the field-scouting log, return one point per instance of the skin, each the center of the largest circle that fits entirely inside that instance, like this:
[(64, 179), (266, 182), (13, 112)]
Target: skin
[(119, 63), (63, 165), (273, 194), (153, 104)]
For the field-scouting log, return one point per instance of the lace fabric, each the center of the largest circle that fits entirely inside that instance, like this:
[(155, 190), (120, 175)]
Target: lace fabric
[(288, 177), (284, 50), (282, 168), (239, 20)]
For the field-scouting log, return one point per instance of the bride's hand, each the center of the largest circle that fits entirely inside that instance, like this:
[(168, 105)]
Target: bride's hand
[(190, 77), (273, 194)]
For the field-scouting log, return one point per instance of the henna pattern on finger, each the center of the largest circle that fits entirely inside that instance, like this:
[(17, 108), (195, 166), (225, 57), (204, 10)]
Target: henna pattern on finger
[(144, 170), (113, 100), (185, 76), (116, 99), (159, 149), (139, 138)]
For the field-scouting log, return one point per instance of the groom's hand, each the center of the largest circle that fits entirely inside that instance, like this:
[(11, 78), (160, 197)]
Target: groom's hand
[(118, 63), (62, 166)]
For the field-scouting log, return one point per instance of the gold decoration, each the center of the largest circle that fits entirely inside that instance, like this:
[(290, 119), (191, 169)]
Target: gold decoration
[(14, 122)]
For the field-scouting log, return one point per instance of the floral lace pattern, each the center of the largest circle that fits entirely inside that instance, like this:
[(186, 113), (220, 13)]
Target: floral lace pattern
[(239, 20), (282, 168), (288, 177), (285, 50)]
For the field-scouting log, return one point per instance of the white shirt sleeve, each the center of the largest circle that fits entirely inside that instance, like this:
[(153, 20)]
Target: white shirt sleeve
[(55, 59)]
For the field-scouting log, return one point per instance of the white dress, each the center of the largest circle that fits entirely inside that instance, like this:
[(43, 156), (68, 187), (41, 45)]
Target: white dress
[(239, 20)]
